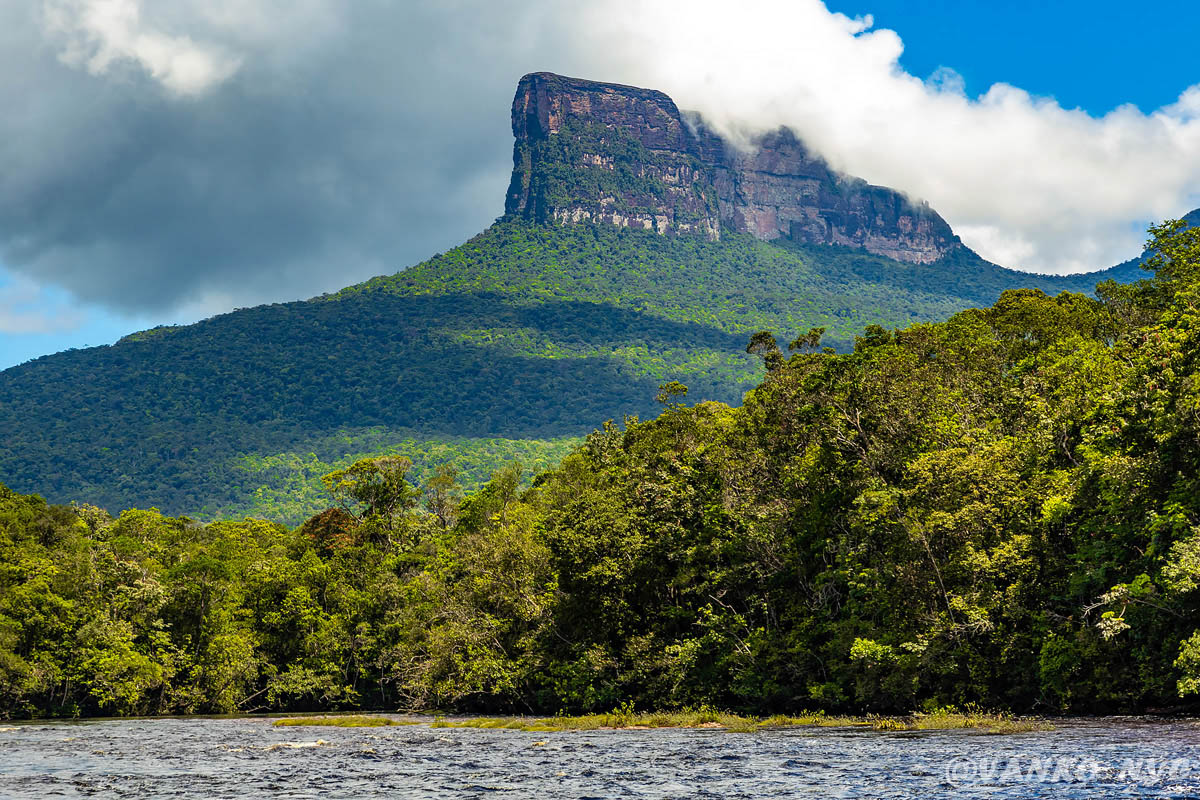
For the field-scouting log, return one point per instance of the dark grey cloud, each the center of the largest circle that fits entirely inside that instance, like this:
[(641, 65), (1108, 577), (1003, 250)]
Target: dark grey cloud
[(324, 156)]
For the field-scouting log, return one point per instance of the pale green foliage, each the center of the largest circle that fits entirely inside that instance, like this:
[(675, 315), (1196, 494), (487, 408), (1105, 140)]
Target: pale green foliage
[(1189, 663), (872, 652)]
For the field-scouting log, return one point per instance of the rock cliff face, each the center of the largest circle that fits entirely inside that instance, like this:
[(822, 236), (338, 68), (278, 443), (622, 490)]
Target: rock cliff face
[(607, 153), (627, 156)]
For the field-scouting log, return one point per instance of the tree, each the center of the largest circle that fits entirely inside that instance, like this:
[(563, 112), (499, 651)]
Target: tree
[(377, 491), (809, 342), (763, 344), (443, 494), (667, 393), (330, 530)]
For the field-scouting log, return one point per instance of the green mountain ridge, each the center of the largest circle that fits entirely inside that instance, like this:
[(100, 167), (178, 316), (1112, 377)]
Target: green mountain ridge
[(508, 347)]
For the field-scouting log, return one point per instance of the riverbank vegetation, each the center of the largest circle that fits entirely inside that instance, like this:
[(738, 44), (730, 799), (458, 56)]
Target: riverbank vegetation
[(1002, 509), (626, 718), (342, 721)]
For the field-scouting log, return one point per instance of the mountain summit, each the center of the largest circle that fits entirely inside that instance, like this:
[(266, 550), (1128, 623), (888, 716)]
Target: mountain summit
[(603, 152)]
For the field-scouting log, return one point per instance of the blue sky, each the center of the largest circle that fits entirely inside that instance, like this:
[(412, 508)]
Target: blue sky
[(159, 196), (1095, 55), (48, 320)]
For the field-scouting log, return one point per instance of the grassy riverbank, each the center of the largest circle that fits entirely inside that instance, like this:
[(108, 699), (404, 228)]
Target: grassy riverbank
[(347, 721), (705, 718)]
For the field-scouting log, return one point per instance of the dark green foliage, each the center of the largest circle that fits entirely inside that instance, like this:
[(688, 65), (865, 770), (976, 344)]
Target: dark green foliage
[(507, 347)]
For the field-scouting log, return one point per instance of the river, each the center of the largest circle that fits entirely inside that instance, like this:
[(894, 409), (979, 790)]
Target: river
[(247, 759)]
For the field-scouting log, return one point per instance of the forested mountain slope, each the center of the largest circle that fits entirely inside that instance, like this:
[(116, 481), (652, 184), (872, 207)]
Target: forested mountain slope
[(637, 248), (505, 347)]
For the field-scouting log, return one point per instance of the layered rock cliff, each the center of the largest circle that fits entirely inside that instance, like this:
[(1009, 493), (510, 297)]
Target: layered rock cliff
[(627, 156)]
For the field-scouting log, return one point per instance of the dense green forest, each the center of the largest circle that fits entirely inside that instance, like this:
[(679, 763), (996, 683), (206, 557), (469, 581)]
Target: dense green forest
[(510, 346), (1000, 509)]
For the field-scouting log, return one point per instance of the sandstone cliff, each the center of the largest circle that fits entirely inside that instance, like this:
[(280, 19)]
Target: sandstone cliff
[(627, 156)]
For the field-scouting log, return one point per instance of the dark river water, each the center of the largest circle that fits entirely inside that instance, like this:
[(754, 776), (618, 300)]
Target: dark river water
[(249, 759)]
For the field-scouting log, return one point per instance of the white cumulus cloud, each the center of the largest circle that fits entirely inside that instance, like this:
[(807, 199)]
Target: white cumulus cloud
[(97, 34), (26, 307)]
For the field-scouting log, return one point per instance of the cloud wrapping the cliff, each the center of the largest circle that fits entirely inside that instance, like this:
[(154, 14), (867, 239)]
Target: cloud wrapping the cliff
[(1026, 182), (182, 157)]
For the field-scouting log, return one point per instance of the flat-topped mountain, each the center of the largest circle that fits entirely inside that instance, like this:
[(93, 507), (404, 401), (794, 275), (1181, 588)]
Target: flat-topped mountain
[(603, 152), (637, 248)]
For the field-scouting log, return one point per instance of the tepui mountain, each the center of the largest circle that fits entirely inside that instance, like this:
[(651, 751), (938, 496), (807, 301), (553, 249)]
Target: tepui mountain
[(602, 152)]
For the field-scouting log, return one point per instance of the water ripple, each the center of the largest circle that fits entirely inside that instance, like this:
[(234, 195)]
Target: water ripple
[(248, 759)]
